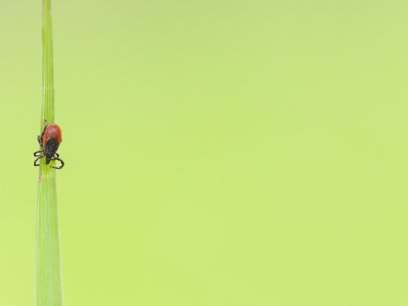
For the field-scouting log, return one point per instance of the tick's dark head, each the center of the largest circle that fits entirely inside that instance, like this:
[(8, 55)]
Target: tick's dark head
[(47, 160), (51, 148)]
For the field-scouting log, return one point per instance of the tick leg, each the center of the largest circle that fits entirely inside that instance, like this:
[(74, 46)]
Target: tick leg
[(56, 154), (60, 160), (38, 158), (38, 153), (39, 140)]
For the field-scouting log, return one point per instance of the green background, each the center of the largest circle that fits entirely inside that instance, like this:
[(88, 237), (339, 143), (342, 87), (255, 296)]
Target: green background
[(218, 153)]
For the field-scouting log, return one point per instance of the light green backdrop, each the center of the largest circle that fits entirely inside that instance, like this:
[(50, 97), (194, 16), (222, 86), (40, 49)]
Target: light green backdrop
[(218, 153)]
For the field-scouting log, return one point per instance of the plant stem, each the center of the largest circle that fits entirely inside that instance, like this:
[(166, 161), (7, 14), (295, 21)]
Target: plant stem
[(48, 109), (48, 262)]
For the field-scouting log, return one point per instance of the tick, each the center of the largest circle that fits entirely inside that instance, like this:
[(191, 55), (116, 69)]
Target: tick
[(49, 141)]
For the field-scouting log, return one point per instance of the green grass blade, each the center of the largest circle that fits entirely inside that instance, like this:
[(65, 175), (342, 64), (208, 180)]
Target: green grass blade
[(48, 108), (48, 262)]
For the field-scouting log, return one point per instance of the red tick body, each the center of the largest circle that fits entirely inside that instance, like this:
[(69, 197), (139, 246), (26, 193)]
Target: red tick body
[(51, 131), (49, 141)]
